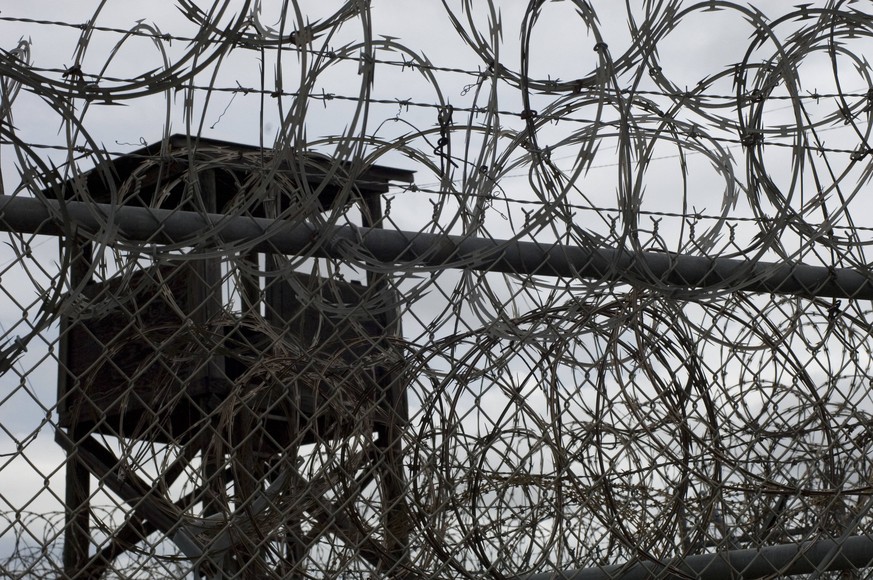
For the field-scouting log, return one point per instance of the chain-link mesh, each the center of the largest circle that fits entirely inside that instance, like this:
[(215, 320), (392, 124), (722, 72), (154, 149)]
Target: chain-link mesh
[(470, 290)]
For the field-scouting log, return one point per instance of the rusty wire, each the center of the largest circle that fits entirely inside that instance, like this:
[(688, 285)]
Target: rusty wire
[(436, 417)]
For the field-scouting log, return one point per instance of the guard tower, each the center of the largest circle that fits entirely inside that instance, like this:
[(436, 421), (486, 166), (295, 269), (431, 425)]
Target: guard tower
[(238, 412)]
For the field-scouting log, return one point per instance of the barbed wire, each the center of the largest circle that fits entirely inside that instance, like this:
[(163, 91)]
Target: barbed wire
[(542, 328)]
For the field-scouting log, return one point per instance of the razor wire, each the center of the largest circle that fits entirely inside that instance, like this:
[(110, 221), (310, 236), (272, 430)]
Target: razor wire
[(305, 291)]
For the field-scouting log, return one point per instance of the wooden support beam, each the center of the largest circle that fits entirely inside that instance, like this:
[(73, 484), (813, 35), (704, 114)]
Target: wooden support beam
[(77, 478)]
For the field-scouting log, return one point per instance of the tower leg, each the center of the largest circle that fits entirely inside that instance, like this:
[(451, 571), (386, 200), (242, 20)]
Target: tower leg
[(77, 528), (77, 493), (396, 514)]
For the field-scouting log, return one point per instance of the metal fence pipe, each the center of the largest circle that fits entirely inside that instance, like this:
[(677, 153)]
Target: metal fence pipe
[(435, 251), (853, 553)]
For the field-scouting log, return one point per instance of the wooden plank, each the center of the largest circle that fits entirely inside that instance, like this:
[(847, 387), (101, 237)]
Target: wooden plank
[(77, 479)]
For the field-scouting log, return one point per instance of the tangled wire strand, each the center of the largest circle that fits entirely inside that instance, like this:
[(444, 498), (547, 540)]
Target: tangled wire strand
[(332, 414)]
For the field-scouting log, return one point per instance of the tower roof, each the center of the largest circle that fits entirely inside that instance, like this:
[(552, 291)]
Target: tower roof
[(160, 174)]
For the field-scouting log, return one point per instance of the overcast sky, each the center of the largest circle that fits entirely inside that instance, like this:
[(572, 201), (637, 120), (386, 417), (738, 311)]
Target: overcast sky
[(665, 177)]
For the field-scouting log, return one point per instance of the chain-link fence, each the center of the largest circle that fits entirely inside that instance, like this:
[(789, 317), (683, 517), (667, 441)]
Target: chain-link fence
[(396, 304)]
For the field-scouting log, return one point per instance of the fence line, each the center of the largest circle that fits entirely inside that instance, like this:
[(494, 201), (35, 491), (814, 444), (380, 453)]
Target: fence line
[(585, 296)]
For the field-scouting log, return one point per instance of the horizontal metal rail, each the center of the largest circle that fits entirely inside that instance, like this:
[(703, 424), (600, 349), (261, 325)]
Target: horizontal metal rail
[(382, 247), (852, 553)]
